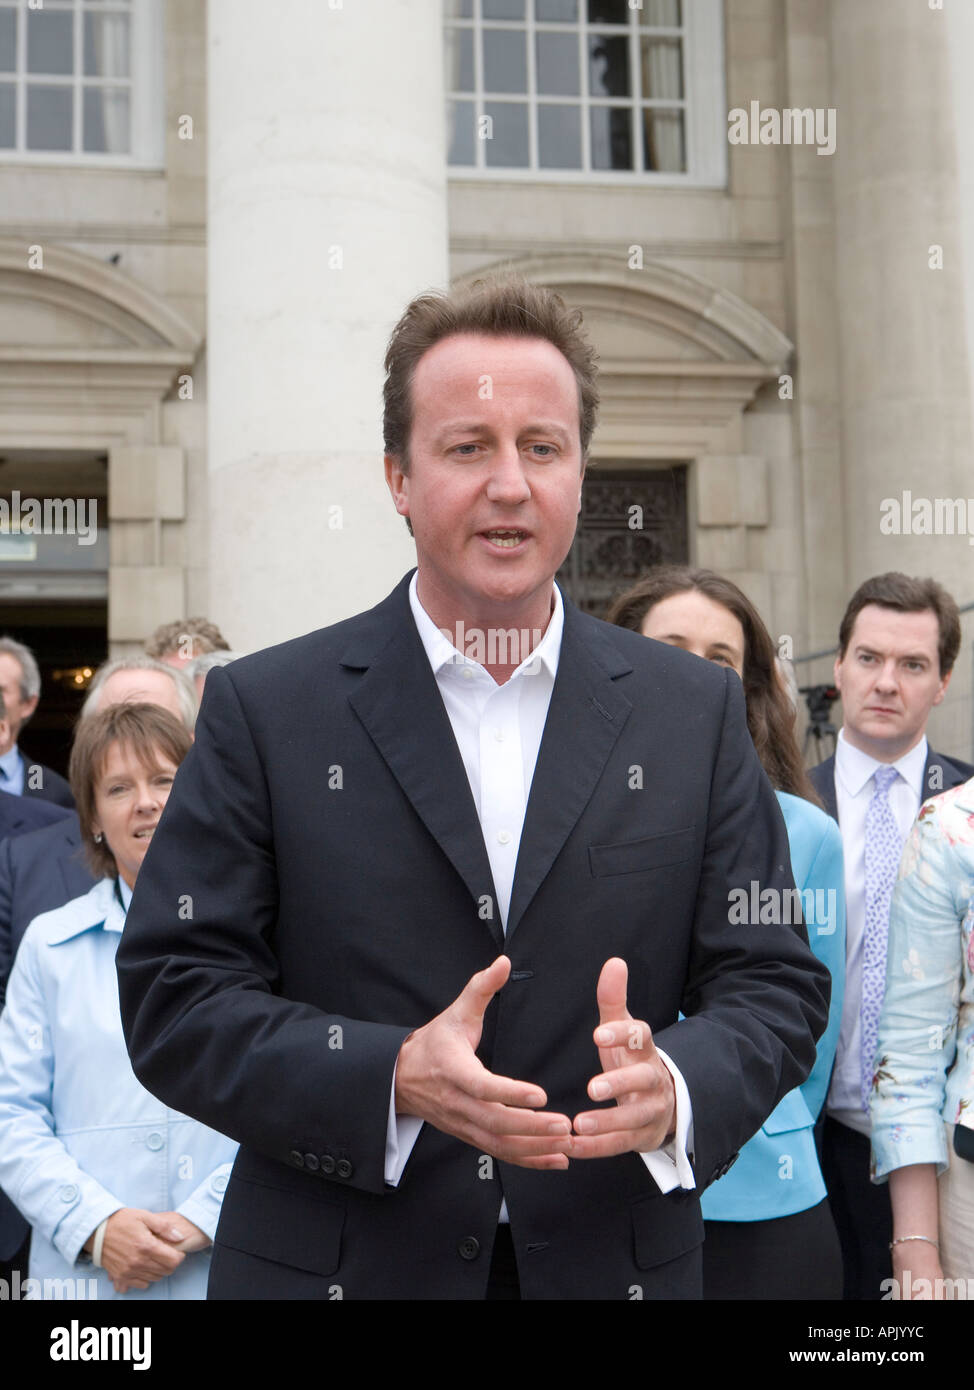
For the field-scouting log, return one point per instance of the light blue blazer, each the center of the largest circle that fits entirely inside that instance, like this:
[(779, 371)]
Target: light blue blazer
[(80, 1137), (778, 1173)]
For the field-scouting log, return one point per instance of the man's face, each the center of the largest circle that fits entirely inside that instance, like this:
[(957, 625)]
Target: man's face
[(18, 710), (494, 486), (141, 687), (889, 680)]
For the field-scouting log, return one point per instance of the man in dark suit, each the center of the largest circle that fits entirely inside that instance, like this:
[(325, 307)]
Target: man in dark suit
[(312, 960), (898, 641), (17, 815), (20, 685)]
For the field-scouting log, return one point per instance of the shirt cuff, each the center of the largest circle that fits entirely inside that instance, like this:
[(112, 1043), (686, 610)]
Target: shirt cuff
[(669, 1166), (402, 1131)]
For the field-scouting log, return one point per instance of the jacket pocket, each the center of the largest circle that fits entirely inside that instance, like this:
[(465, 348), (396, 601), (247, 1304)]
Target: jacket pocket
[(665, 1226), (791, 1112), (635, 856), (300, 1229)]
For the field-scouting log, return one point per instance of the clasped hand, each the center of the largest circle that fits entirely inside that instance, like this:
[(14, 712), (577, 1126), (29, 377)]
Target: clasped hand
[(142, 1246), (440, 1079)]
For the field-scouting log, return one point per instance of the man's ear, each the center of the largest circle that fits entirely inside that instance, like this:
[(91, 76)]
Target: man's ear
[(944, 682), (29, 706), (398, 483), (836, 678)]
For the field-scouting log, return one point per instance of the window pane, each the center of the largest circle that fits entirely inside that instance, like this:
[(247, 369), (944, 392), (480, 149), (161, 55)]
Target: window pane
[(664, 142), (460, 118), (50, 44), (106, 45), (8, 40), (556, 11), (106, 120), (458, 56), (608, 12), (505, 60), (661, 13), (661, 68), (557, 60), (560, 137), (608, 66), (508, 146), (8, 115), (458, 9), (611, 137), (502, 9), (48, 117)]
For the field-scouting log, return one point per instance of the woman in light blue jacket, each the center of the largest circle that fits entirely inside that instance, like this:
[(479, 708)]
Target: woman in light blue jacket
[(922, 1101), (769, 1230), (122, 1194)]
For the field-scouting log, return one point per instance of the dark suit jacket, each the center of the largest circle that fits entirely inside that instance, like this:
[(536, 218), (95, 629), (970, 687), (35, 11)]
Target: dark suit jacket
[(50, 785), (19, 814), (39, 871), (940, 774), (319, 886)]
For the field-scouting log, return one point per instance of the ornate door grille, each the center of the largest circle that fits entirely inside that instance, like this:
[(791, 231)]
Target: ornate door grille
[(609, 554)]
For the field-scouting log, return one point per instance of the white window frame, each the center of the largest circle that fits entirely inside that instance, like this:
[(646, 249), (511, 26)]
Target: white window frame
[(146, 87), (704, 105)]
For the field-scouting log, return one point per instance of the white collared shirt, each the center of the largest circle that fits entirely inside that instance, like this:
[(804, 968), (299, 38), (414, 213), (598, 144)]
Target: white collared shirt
[(498, 730), (854, 787)]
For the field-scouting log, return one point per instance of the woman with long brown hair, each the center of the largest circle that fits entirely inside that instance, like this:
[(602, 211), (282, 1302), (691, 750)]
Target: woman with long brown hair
[(769, 1231)]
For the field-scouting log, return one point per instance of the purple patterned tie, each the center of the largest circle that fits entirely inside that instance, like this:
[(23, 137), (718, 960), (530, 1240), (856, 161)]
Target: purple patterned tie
[(884, 845)]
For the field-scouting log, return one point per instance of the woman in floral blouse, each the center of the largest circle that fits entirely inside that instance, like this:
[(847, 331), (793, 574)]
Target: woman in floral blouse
[(924, 1078)]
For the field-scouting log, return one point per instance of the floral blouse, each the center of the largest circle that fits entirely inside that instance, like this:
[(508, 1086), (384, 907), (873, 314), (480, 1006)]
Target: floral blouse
[(924, 1071)]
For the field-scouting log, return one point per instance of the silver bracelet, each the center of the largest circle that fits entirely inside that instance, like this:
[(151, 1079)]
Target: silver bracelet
[(97, 1243), (900, 1239)]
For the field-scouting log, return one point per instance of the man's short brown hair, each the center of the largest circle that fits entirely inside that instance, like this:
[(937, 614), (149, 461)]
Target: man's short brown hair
[(907, 595), (149, 730), (498, 307)]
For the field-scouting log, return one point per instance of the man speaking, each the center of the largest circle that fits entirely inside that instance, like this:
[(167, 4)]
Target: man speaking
[(435, 884)]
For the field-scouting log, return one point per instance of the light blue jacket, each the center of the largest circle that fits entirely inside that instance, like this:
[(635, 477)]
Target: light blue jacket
[(924, 1070), (80, 1137), (778, 1173)]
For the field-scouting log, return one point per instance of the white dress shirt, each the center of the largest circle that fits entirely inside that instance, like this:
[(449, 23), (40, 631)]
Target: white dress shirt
[(854, 789), (498, 731)]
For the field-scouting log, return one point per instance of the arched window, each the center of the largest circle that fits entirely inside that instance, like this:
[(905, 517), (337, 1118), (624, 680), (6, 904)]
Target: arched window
[(614, 90), (81, 82)]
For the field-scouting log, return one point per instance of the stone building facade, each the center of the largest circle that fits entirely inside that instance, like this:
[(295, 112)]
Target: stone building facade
[(193, 305)]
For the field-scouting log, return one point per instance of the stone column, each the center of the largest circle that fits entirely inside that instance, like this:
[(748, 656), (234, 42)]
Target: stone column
[(904, 298), (905, 406), (327, 213)]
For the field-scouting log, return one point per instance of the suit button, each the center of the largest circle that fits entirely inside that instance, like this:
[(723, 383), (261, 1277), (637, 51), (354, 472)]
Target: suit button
[(154, 1142), (343, 1168), (311, 1163), (469, 1248), (297, 1159), (327, 1164)]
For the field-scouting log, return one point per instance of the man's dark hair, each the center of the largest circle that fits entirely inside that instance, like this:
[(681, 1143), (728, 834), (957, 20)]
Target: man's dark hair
[(499, 307), (907, 595)]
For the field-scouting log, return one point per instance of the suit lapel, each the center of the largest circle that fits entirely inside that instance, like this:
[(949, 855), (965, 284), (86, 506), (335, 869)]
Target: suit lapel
[(586, 716), (827, 788), (400, 707)]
